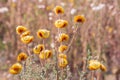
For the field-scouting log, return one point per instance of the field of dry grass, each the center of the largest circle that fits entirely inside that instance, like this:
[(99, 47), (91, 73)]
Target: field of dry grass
[(97, 38)]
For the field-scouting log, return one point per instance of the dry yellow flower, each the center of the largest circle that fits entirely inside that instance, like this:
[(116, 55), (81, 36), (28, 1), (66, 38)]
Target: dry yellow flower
[(26, 33), (37, 49), (27, 39), (63, 37), (94, 65), (58, 10), (20, 29), (61, 23), (79, 19), (63, 62), (62, 48), (61, 55), (103, 68), (22, 57), (43, 33), (45, 54), (15, 68), (49, 53)]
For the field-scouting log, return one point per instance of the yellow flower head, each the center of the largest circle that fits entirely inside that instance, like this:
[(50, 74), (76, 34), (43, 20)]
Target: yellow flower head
[(37, 49), (103, 68), (22, 57), (27, 39), (26, 33), (58, 10), (45, 54), (62, 48), (43, 33), (21, 29), (61, 23), (94, 65), (63, 37), (62, 62), (61, 55), (15, 68), (79, 19)]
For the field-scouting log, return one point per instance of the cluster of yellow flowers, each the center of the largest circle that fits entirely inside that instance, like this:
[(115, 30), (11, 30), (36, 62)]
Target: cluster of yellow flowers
[(95, 64), (60, 23), (17, 67), (25, 38), (24, 34), (62, 37), (40, 48), (45, 53)]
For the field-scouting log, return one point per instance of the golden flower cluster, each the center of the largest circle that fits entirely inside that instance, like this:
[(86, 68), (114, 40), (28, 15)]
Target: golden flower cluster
[(61, 23), (62, 37), (45, 54), (62, 60), (43, 33), (58, 10), (38, 48), (79, 19), (94, 65), (15, 68), (24, 34), (25, 38)]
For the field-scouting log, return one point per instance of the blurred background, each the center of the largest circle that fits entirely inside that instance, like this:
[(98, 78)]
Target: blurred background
[(100, 33)]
